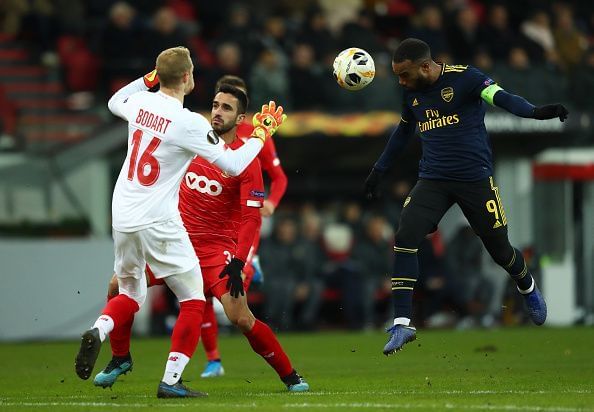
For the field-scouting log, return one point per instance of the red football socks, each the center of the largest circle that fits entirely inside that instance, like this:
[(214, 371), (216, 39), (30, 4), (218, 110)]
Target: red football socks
[(210, 332), (186, 331), (264, 343), (121, 309)]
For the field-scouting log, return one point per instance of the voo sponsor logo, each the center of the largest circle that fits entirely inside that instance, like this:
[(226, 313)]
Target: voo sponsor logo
[(203, 184)]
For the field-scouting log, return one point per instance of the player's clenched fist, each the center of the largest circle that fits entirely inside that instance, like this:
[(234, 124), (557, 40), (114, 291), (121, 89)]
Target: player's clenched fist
[(151, 79), (268, 120)]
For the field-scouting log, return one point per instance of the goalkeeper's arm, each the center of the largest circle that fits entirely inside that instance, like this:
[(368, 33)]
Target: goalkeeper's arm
[(496, 96)]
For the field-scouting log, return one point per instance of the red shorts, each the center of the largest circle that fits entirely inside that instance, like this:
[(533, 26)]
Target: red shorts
[(213, 286)]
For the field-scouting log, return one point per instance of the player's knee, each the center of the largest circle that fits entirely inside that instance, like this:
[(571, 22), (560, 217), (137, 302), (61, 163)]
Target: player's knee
[(113, 288), (245, 322), (499, 248), (408, 237)]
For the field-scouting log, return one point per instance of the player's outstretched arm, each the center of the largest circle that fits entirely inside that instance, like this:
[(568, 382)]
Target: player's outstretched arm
[(119, 98), (396, 144), (266, 123), (496, 96)]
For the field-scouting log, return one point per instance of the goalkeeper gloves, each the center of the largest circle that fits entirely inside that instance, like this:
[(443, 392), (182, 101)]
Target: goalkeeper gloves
[(550, 111), (235, 282), (151, 79), (267, 121), (372, 182)]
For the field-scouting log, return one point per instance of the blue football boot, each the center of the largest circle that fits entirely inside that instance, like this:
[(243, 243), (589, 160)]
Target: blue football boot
[(178, 390), (119, 365), (258, 273), (537, 307), (295, 383), (399, 336), (213, 369)]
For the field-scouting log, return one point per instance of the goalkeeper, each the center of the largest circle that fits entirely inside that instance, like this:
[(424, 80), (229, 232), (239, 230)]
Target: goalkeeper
[(447, 104)]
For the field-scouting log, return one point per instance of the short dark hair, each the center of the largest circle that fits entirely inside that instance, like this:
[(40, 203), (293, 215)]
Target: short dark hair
[(231, 81), (238, 94), (411, 49)]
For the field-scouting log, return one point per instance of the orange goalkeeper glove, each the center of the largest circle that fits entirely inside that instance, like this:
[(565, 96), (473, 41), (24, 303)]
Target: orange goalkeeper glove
[(151, 79), (267, 121)]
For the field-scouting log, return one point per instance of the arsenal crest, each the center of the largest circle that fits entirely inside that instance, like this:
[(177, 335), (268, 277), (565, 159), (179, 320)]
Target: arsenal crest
[(447, 94)]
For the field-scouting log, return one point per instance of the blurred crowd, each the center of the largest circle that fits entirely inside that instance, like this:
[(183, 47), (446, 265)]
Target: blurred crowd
[(285, 49)]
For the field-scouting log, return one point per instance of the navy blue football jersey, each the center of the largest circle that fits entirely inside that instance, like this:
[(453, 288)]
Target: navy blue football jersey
[(450, 119)]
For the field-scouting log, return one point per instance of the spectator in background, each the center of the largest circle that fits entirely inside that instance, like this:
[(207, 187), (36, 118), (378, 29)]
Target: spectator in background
[(582, 82), (317, 34), (228, 62), (341, 272), (498, 37), (430, 30), (12, 13), (238, 30), (164, 33), (276, 39), (309, 291), (467, 284), (119, 46), (283, 261), (269, 80), (372, 255), (483, 61), (360, 32), (464, 36), (538, 38), (570, 42), (305, 77)]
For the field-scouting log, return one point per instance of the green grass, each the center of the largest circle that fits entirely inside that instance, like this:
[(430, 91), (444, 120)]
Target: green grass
[(527, 369)]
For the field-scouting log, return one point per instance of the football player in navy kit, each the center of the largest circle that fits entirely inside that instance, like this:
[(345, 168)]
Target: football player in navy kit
[(447, 104)]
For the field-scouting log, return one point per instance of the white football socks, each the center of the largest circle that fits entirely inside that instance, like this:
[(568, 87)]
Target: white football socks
[(176, 362), (105, 325), (401, 321), (529, 290)]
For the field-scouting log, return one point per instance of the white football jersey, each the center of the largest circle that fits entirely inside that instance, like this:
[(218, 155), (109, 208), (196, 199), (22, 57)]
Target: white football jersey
[(163, 137)]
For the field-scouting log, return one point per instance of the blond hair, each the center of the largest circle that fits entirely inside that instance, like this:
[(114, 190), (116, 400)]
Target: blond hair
[(172, 64)]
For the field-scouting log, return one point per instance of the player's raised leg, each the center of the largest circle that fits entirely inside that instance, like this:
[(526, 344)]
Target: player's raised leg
[(121, 361), (119, 312), (482, 205), (210, 332), (422, 211)]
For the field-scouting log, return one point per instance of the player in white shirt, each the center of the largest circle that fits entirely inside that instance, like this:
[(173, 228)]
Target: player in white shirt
[(163, 137)]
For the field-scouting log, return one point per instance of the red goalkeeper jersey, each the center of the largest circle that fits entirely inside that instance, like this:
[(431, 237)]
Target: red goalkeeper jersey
[(220, 212), (270, 164)]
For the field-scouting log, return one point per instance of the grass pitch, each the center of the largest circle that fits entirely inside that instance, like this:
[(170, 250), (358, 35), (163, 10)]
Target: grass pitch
[(528, 369)]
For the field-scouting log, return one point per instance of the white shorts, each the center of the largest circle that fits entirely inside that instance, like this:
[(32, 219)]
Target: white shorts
[(166, 248)]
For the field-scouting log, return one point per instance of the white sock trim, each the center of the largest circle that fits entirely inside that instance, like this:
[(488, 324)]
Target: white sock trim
[(176, 363), (401, 321), (529, 290), (105, 325)]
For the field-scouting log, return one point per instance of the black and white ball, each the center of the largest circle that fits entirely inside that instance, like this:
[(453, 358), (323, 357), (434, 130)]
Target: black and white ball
[(353, 68)]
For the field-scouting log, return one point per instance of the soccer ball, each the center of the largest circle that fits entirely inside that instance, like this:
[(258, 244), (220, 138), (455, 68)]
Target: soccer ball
[(353, 68)]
